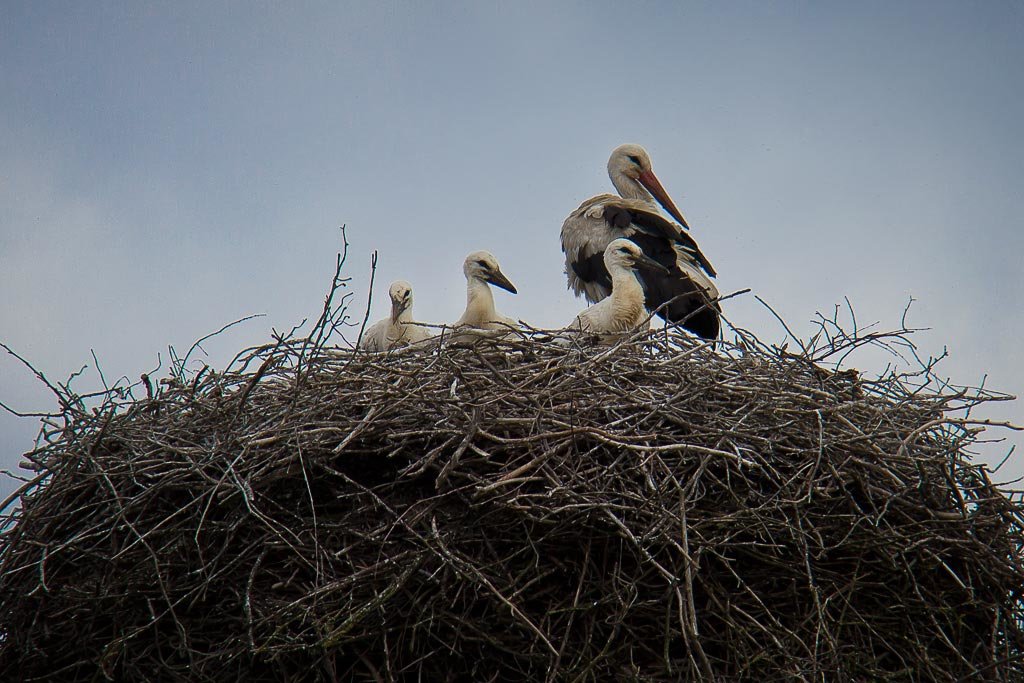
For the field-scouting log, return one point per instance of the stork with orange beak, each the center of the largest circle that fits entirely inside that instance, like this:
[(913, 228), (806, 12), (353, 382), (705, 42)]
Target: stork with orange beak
[(684, 293)]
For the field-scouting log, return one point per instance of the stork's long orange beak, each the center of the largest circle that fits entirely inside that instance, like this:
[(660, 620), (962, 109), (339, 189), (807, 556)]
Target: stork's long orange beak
[(653, 185)]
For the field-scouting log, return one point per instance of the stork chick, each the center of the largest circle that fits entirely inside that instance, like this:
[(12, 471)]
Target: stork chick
[(623, 311), (482, 270), (395, 330)]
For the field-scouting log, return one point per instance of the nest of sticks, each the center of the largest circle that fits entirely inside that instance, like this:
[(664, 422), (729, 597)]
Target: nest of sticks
[(528, 508)]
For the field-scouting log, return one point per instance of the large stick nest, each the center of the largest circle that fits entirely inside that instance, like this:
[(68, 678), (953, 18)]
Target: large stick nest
[(520, 509)]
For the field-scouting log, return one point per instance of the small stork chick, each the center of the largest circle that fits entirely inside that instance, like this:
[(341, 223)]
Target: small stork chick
[(623, 311), (482, 270), (395, 330)]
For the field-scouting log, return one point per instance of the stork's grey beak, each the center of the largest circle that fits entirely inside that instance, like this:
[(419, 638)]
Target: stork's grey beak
[(649, 263), (498, 279)]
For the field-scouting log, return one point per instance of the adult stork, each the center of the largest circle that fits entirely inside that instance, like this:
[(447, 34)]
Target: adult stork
[(624, 311), (685, 293)]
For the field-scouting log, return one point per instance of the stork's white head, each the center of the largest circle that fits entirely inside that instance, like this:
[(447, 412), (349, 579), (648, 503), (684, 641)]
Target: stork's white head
[(401, 297), (629, 160), (623, 254), (631, 165), (481, 265)]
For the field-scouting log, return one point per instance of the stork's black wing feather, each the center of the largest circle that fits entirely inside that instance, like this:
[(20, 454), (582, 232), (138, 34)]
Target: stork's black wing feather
[(655, 225), (674, 295), (592, 269), (618, 216)]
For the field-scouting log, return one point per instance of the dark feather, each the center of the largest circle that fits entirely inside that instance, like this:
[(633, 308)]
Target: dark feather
[(689, 304), (656, 226), (592, 269), (618, 217)]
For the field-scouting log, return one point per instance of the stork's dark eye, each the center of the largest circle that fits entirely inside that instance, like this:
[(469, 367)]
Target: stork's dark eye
[(482, 264), (634, 158)]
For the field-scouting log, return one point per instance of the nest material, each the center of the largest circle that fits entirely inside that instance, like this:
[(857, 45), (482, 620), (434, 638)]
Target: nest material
[(516, 510)]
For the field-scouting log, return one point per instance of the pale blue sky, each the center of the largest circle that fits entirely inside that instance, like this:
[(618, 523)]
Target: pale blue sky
[(165, 169)]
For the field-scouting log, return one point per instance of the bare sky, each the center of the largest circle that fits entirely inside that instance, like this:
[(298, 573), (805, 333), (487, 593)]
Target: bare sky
[(166, 170)]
